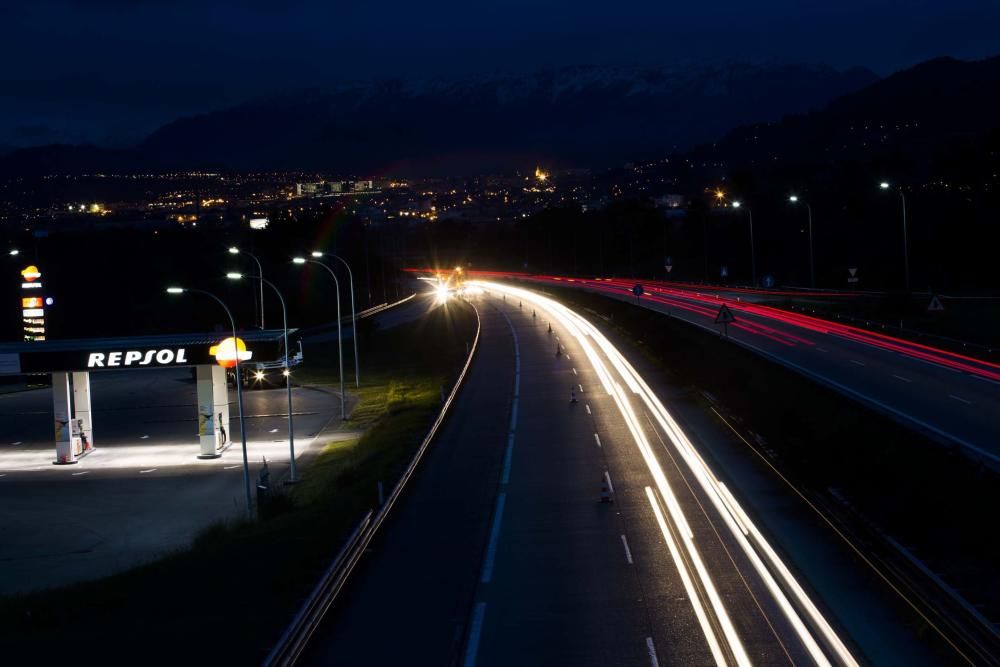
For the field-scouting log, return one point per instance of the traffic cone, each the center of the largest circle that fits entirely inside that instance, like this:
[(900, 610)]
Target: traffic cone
[(605, 493)]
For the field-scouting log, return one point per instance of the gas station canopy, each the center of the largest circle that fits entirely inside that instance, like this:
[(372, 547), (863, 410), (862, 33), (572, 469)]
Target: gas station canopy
[(133, 352)]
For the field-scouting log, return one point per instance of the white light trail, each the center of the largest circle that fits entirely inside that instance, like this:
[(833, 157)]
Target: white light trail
[(744, 532)]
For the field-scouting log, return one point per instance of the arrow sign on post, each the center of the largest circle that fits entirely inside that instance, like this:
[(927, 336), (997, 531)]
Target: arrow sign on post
[(853, 277), (935, 305), (724, 317), (638, 291)]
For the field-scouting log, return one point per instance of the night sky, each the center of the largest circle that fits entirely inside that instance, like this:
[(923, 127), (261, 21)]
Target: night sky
[(108, 71)]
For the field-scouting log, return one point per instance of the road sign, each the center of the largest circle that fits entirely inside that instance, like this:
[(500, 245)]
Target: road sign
[(853, 274), (935, 305), (668, 264), (637, 290), (724, 271), (724, 317), (767, 281)]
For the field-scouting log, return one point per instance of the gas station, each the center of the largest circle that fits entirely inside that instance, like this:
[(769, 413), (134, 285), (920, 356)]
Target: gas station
[(70, 363)]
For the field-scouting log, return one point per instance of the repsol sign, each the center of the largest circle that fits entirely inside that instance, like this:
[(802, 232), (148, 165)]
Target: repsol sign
[(115, 359)]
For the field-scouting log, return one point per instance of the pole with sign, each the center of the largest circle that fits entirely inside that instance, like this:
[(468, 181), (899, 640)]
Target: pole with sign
[(638, 291), (724, 318)]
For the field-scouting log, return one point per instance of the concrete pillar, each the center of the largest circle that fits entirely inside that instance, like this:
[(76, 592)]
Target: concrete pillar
[(213, 411), (81, 410), (62, 412)]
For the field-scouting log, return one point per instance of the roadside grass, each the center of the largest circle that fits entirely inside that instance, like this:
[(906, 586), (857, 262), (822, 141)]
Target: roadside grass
[(228, 598), (927, 496)]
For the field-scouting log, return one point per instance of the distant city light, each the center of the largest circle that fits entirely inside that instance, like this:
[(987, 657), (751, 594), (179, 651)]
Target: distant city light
[(884, 185)]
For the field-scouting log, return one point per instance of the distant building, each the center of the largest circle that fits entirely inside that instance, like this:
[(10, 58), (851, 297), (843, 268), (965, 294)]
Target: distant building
[(669, 201)]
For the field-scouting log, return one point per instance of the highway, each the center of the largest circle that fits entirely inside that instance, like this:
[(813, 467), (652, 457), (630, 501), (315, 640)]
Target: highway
[(949, 396), (503, 553)]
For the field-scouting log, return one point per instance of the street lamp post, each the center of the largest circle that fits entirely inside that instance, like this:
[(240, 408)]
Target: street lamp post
[(293, 477), (233, 250), (354, 316), (239, 388), (906, 251), (753, 251), (340, 337), (812, 270)]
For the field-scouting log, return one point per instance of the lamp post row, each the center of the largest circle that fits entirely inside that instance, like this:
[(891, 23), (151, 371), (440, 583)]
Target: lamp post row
[(293, 476), (794, 199)]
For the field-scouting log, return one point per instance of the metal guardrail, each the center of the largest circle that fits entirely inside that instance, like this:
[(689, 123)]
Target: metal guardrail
[(296, 637)]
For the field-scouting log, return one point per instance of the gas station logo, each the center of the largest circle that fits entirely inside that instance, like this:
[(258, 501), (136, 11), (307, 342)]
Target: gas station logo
[(228, 351), (32, 307)]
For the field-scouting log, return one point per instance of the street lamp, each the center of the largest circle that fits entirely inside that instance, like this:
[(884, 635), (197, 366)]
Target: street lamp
[(239, 387), (293, 478), (354, 317), (13, 252), (906, 252), (753, 251), (340, 337), (812, 271), (233, 250)]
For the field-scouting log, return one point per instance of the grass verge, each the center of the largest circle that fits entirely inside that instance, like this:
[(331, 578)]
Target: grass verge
[(227, 598)]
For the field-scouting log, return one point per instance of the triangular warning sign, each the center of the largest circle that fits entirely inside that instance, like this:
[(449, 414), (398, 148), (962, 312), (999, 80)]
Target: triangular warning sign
[(725, 315), (853, 271), (935, 304)]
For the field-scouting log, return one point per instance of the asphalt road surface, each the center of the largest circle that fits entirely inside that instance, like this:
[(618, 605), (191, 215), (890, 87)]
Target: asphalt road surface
[(502, 552), (143, 492), (951, 397)]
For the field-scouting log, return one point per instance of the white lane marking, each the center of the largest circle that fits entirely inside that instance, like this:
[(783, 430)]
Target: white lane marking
[(574, 371), (980, 377), (900, 377), (491, 551), (822, 349), (77, 474), (859, 363), (3, 474), (230, 467), (567, 357), (607, 478), (588, 409), (16, 443), (143, 472), (581, 388), (652, 652), (273, 430), (505, 479), (959, 399), (597, 439), (475, 631), (628, 552)]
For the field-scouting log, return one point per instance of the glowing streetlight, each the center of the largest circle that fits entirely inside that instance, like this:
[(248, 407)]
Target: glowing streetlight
[(812, 270), (340, 336), (239, 387), (753, 251), (885, 185), (13, 252), (234, 250), (354, 315), (293, 477)]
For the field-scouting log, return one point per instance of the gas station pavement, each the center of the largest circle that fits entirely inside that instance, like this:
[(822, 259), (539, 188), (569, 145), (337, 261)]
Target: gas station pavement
[(142, 492)]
